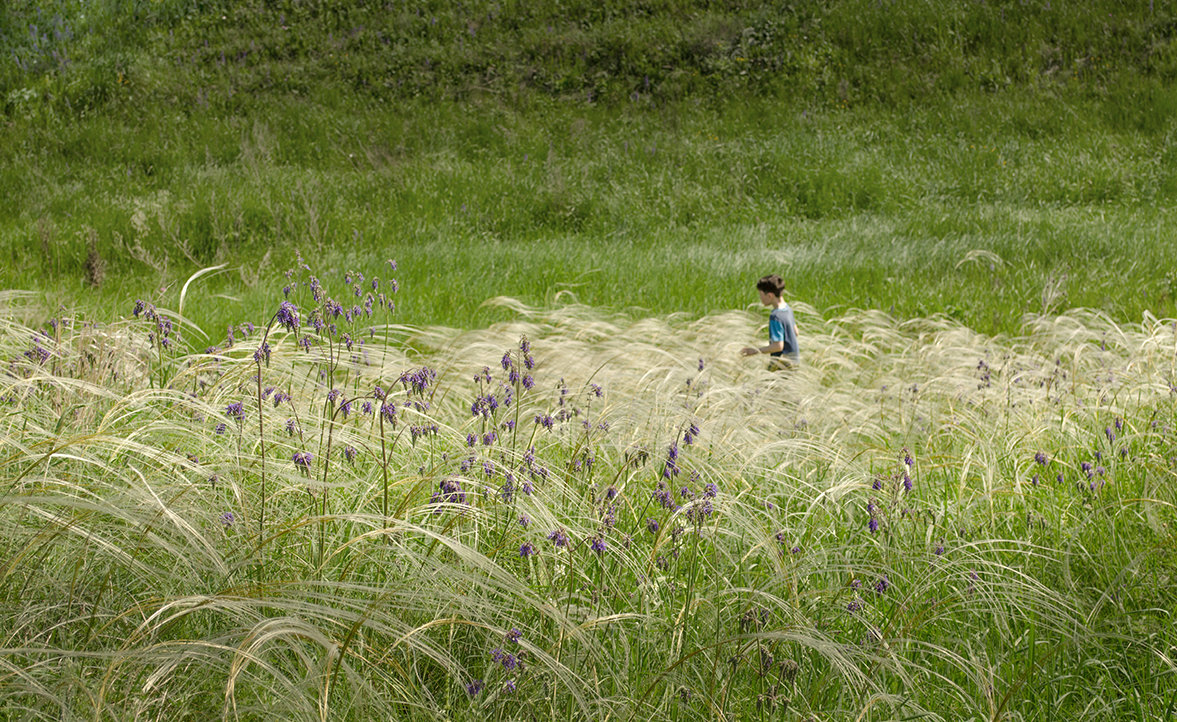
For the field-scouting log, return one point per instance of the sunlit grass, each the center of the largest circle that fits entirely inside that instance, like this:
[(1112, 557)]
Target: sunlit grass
[(139, 576)]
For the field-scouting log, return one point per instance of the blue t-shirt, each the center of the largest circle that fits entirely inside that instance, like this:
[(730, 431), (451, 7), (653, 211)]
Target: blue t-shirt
[(781, 327)]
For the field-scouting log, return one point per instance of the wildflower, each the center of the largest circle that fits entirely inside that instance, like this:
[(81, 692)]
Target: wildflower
[(302, 459), (509, 686), (710, 490), (907, 483), (597, 390), (228, 519), (219, 429), (524, 521), (262, 353), (349, 453), (873, 525), (473, 687), (558, 538), (700, 364), (290, 426), (287, 316), (236, 411), (652, 525), (528, 381), (795, 550), (598, 545), (514, 635), (882, 584), (506, 362), (526, 550), (1040, 458)]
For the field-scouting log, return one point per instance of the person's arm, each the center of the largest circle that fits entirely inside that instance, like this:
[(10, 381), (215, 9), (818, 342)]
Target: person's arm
[(772, 347)]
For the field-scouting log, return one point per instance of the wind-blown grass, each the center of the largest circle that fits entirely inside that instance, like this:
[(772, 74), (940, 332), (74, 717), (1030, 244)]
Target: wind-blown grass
[(739, 542)]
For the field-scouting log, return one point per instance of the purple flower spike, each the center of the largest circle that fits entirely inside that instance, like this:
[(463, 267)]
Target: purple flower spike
[(287, 316), (559, 538)]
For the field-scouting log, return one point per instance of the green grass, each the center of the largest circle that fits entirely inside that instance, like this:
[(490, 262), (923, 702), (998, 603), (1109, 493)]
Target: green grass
[(355, 591), (864, 153), (672, 211), (969, 203)]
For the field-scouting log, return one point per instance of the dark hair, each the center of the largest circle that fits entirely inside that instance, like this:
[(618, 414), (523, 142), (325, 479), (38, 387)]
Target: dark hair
[(773, 284)]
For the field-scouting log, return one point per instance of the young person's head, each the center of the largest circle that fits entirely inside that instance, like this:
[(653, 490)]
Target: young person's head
[(771, 287)]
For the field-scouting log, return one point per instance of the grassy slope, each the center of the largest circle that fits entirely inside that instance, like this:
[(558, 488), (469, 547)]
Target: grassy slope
[(659, 155)]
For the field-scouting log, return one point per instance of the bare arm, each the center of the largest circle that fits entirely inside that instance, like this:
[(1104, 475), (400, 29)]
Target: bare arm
[(772, 347)]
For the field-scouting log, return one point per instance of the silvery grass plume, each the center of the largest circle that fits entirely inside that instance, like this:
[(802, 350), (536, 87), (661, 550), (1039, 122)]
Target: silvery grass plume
[(586, 515)]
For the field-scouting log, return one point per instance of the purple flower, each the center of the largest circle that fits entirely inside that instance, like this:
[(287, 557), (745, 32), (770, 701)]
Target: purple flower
[(506, 362), (349, 453), (473, 687), (652, 525), (700, 364), (1040, 458), (873, 525), (287, 316), (302, 459), (526, 550), (290, 426), (514, 635), (228, 519), (559, 538), (262, 353), (882, 584), (598, 545), (524, 521), (236, 411)]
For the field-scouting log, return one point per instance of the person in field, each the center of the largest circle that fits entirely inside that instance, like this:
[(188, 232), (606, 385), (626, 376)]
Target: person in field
[(782, 329)]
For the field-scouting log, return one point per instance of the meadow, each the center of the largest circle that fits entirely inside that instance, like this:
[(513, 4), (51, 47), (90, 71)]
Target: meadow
[(381, 361), (560, 517)]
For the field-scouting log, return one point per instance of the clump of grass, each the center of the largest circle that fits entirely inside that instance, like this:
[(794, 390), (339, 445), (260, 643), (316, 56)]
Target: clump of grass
[(561, 515)]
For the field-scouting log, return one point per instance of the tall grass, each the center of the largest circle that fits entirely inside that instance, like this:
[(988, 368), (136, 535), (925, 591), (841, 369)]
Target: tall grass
[(921, 519), (670, 212)]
